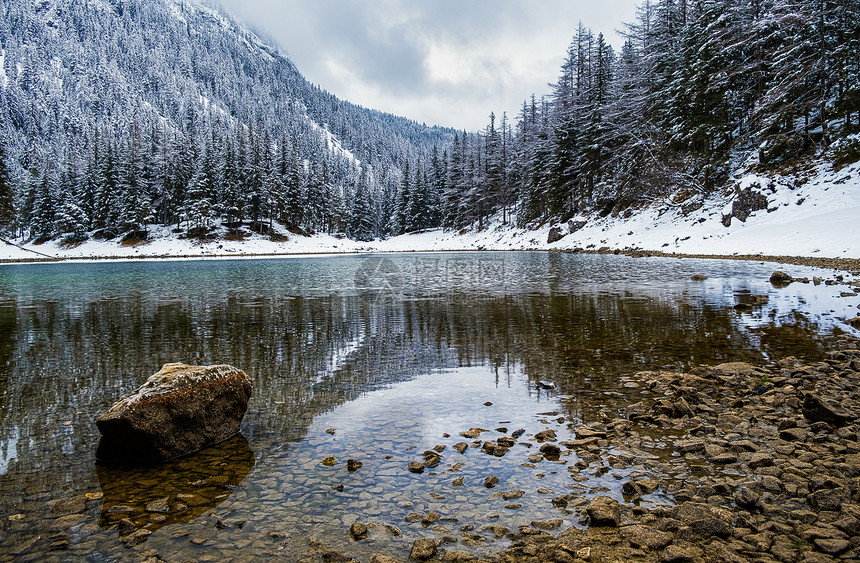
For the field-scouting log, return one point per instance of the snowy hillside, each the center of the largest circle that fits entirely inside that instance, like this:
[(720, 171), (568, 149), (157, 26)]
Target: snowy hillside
[(818, 218), (162, 127), (117, 115)]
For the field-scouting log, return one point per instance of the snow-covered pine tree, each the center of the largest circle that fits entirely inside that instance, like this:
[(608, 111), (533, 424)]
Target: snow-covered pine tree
[(361, 224), (402, 219), (452, 194), (295, 200), (417, 214), (7, 195), (230, 196), (43, 217), (133, 203), (198, 206)]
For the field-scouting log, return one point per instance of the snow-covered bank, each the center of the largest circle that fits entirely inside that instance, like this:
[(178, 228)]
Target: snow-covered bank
[(821, 218), (163, 243), (813, 216)]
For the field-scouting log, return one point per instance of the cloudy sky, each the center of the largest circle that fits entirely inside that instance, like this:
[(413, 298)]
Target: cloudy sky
[(445, 62)]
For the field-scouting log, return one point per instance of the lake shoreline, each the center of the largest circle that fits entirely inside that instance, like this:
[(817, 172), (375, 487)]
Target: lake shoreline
[(850, 265), (769, 455), (569, 413)]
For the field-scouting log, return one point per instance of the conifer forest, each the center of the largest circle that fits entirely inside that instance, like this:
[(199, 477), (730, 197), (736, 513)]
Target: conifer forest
[(116, 115)]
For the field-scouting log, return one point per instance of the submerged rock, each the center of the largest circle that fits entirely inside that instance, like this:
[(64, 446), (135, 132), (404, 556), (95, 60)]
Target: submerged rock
[(780, 278), (358, 531), (179, 410), (472, 433), (423, 549), (491, 481)]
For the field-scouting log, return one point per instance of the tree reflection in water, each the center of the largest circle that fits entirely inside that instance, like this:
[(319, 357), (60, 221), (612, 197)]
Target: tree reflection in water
[(74, 338)]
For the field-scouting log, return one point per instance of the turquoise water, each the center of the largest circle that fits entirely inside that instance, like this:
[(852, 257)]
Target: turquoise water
[(392, 353)]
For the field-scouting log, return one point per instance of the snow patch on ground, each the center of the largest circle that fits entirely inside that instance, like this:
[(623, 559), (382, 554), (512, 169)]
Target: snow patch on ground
[(4, 80), (333, 143), (163, 243), (817, 216), (820, 218)]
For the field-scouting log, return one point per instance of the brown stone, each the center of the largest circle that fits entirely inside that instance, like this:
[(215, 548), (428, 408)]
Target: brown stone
[(639, 487), (816, 409), (358, 531), (738, 369), (604, 511), (547, 524), (828, 499), (64, 507), (760, 460), (793, 434), (179, 410), (67, 522), (161, 506), (675, 554), (472, 433), (136, 537), (780, 278), (832, 546), (646, 537), (423, 549), (704, 520)]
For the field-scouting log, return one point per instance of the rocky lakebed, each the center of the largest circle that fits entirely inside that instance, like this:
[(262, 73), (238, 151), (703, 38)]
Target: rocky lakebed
[(764, 465), (731, 462), (752, 463)]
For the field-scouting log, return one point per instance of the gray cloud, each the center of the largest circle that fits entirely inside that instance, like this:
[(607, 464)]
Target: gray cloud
[(447, 62)]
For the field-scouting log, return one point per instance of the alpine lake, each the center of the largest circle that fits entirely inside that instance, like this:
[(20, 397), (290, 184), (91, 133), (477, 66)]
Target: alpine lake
[(373, 358)]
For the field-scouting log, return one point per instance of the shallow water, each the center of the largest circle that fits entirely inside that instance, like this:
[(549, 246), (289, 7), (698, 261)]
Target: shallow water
[(392, 353)]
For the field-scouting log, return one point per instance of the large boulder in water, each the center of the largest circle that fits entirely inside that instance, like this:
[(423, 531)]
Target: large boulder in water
[(179, 410)]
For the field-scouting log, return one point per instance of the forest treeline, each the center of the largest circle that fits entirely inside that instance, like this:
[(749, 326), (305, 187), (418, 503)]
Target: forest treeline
[(120, 114)]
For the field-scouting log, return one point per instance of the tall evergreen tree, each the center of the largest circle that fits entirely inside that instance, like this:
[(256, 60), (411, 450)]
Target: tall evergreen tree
[(295, 203), (361, 223), (7, 194)]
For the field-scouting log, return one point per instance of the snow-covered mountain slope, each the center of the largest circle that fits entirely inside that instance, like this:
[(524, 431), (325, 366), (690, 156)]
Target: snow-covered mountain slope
[(121, 117), (79, 80)]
